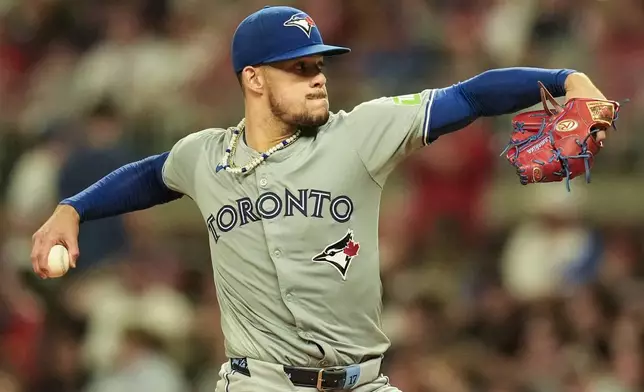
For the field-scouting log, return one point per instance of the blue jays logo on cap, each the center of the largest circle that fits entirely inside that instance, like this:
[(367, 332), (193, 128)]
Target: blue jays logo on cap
[(303, 22), (268, 36)]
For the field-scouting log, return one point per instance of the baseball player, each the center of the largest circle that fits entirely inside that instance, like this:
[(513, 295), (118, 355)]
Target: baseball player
[(290, 198)]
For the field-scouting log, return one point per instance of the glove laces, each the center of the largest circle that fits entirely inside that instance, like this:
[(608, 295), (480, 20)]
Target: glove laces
[(522, 144)]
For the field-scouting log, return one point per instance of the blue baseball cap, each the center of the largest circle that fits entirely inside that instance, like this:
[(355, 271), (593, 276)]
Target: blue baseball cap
[(276, 34)]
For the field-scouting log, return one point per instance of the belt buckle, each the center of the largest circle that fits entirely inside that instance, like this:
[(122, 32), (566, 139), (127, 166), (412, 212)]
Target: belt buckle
[(318, 385), (320, 380)]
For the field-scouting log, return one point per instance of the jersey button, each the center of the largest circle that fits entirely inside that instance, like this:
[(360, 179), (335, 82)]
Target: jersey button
[(263, 182), (277, 253)]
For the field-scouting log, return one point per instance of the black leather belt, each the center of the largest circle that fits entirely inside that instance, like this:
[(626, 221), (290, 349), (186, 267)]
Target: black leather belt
[(323, 379), (336, 378)]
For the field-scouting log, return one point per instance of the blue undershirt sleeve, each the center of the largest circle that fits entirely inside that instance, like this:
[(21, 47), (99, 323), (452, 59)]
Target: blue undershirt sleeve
[(133, 187), (491, 93)]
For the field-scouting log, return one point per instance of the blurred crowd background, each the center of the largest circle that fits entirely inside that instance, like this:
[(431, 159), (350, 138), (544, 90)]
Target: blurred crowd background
[(489, 286)]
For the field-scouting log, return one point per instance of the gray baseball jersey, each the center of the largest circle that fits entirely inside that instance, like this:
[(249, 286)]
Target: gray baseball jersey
[(294, 243)]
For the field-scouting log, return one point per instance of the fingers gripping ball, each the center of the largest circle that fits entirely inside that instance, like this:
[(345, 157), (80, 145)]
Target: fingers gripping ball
[(558, 143), (58, 261)]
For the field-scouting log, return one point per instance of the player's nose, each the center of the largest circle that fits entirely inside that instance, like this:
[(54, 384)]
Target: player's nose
[(318, 81)]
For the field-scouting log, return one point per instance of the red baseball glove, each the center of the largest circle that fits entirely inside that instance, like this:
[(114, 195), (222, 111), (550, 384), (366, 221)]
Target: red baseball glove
[(551, 145)]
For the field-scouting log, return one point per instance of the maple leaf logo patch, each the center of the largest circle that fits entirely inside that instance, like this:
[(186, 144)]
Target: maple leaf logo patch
[(340, 254)]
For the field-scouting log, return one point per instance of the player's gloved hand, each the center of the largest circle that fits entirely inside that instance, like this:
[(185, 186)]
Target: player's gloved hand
[(61, 228), (561, 142), (579, 86)]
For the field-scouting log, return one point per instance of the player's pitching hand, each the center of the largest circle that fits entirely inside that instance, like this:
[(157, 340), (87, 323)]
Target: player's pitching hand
[(578, 85), (61, 228)]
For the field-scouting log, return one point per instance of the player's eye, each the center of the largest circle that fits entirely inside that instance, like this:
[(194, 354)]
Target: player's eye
[(301, 67), (308, 69)]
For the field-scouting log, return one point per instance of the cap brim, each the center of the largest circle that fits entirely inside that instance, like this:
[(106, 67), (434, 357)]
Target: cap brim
[(318, 49)]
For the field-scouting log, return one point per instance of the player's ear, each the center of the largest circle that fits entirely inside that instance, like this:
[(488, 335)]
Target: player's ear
[(252, 79)]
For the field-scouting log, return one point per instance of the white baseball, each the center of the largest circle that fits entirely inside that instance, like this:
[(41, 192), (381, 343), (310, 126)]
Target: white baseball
[(58, 261)]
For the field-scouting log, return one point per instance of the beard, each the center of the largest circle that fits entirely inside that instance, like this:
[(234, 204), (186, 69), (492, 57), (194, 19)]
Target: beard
[(308, 123)]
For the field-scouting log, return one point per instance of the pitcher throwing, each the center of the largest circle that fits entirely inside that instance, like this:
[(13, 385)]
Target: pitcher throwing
[(290, 197)]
